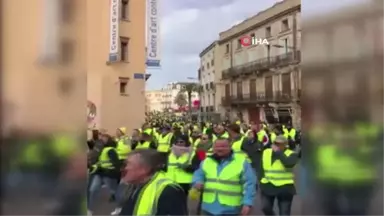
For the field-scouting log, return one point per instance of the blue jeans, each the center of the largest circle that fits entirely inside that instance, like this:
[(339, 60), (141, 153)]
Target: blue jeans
[(95, 184)]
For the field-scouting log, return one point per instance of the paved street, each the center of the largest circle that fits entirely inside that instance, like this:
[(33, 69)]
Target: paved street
[(27, 202)]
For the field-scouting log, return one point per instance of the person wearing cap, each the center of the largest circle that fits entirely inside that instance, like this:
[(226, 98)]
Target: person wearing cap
[(277, 177), (146, 142)]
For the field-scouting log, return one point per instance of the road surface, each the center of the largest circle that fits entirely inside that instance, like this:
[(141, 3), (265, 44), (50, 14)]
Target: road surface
[(21, 202)]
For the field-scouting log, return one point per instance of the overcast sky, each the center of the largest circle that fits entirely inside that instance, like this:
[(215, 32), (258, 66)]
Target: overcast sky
[(188, 26)]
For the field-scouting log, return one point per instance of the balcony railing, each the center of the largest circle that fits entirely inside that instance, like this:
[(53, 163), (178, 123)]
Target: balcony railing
[(261, 98), (226, 101), (262, 64)]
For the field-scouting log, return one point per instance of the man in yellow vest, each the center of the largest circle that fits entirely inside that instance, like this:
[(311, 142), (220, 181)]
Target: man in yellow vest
[(227, 181), (106, 172), (151, 192), (277, 177)]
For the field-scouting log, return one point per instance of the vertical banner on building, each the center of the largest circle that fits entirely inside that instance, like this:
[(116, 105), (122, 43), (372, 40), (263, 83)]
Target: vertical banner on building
[(114, 30), (50, 51), (153, 34)]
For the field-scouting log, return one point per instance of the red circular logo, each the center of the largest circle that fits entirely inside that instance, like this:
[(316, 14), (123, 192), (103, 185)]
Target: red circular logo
[(245, 40)]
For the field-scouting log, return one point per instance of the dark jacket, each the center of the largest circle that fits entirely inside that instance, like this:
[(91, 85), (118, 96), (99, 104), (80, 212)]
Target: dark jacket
[(94, 151), (251, 149), (172, 201), (254, 150), (114, 158)]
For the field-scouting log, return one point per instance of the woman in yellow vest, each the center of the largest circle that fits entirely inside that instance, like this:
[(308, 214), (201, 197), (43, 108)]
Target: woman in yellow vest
[(180, 168)]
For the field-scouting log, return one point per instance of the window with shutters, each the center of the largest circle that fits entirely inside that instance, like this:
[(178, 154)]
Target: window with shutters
[(286, 84), (284, 25), (268, 87), (239, 89), (125, 9), (124, 50), (252, 88), (268, 32), (123, 84), (67, 10), (227, 90)]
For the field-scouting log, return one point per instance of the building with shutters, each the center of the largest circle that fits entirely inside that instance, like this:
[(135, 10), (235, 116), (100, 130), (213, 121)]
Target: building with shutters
[(57, 54), (262, 82), (209, 75)]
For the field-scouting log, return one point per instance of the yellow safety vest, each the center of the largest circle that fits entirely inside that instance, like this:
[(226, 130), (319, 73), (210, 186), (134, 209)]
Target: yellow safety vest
[(104, 160), (260, 135), (148, 131), (164, 143), (123, 148), (149, 196), (273, 137), (145, 145), (214, 137), (289, 133), (210, 151), (225, 135), (197, 141), (275, 173), (236, 147), (61, 146), (341, 168), (176, 174), (32, 155), (225, 186)]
